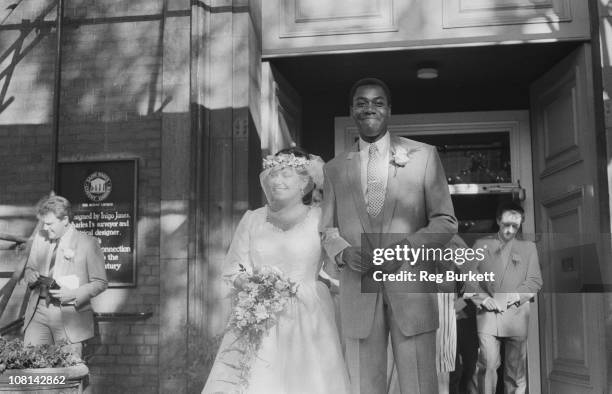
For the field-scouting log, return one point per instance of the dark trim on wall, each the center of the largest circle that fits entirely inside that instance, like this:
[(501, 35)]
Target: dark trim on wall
[(57, 83), (76, 22), (220, 9)]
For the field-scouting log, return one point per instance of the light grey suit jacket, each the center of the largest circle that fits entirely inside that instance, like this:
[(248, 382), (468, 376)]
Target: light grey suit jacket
[(417, 208), (520, 273), (87, 264)]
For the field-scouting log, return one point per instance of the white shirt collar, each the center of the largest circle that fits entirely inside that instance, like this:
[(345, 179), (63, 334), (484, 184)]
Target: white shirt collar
[(382, 144)]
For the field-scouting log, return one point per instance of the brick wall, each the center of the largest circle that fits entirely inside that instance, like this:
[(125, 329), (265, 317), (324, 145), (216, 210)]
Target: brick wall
[(112, 102), (111, 97), (125, 358), (119, 350), (26, 101)]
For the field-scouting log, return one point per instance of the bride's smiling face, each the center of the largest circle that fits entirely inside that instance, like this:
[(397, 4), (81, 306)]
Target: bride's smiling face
[(285, 184)]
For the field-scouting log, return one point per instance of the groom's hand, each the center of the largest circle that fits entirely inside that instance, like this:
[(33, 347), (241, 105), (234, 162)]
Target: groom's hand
[(356, 259), (390, 267), (490, 305)]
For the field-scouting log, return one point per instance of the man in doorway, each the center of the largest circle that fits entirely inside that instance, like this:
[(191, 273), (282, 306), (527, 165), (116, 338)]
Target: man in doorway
[(503, 304), (391, 190), (65, 270)]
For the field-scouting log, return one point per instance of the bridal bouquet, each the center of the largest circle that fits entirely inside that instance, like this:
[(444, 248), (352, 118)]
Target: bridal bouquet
[(258, 298)]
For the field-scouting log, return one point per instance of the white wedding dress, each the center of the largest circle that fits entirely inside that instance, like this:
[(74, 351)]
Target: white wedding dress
[(302, 352)]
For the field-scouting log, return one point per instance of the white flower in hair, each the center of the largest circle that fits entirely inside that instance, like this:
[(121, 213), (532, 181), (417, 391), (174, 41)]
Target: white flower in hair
[(313, 166), (284, 160)]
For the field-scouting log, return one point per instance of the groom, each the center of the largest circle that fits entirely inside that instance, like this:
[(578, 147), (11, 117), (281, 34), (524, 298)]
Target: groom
[(385, 188)]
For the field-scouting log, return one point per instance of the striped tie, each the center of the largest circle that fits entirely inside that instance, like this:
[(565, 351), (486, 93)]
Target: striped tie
[(376, 189)]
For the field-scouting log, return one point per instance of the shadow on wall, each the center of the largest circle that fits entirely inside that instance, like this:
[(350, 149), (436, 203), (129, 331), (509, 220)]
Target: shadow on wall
[(30, 34), (112, 98), (111, 66)]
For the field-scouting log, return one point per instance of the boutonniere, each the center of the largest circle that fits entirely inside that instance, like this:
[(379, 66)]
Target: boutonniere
[(400, 157), (516, 258), (68, 255)]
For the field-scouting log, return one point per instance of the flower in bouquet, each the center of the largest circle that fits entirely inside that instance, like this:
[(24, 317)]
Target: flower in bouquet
[(258, 298)]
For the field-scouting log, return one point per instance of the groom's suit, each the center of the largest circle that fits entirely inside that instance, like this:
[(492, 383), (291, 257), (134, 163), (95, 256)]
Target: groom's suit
[(78, 254), (417, 208)]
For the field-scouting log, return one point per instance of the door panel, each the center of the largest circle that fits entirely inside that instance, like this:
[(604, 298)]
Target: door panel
[(293, 27), (567, 214)]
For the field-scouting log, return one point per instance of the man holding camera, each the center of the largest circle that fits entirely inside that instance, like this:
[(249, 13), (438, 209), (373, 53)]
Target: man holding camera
[(503, 305), (65, 270)]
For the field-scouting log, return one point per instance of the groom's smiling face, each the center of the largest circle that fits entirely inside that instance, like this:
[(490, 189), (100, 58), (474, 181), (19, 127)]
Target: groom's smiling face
[(370, 111)]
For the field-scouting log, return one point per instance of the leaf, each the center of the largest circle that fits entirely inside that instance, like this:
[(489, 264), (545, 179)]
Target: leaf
[(15, 355)]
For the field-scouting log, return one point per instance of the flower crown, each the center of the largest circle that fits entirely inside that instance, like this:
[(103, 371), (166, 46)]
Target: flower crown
[(284, 160)]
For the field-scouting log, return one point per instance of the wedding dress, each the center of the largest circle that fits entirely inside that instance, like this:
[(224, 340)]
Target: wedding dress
[(302, 352)]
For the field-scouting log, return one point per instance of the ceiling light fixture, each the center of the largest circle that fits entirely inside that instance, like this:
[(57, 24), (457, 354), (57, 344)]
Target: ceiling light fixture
[(427, 73)]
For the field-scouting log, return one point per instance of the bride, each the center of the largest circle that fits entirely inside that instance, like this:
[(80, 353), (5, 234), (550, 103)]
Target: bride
[(301, 353)]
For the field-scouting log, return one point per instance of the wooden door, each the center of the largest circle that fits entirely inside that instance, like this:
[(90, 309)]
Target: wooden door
[(566, 195)]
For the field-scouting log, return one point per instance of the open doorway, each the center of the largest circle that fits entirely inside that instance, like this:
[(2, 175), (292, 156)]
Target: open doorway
[(491, 78), (473, 83)]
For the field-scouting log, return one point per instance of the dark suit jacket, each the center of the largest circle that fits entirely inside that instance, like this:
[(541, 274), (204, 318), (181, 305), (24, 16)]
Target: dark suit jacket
[(87, 263), (417, 208), (520, 273)]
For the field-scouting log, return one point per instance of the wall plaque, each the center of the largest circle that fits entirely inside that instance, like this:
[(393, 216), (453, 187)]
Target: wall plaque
[(103, 196)]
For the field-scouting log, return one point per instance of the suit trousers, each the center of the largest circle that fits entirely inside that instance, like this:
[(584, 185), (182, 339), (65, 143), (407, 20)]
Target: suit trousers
[(462, 378), (414, 356), (489, 359), (47, 328)]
